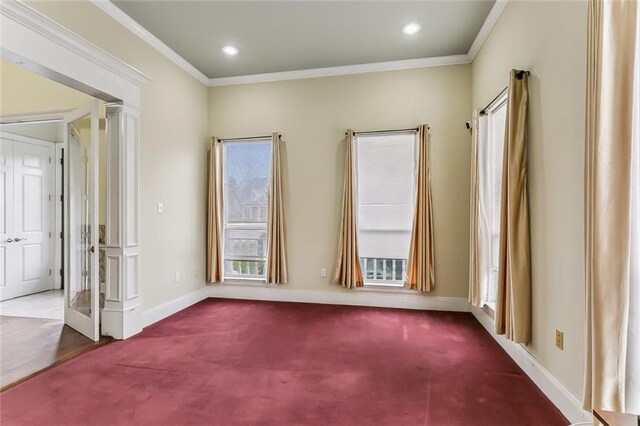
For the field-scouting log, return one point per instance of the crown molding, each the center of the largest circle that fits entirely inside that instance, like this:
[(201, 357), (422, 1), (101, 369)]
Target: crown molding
[(489, 23), (342, 70), (129, 23), (137, 29), (35, 21)]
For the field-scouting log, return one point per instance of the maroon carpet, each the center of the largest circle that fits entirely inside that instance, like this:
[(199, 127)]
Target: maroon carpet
[(240, 362)]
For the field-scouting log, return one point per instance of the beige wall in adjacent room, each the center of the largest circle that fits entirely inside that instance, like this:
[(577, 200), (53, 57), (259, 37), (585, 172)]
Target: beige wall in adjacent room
[(313, 114), (24, 92), (173, 143), (549, 39)]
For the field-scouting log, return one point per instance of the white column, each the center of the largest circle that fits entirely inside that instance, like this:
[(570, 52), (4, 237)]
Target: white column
[(122, 313)]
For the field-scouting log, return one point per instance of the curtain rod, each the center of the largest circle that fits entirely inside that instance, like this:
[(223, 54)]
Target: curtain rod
[(490, 104), (247, 138), (413, 129), (519, 76)]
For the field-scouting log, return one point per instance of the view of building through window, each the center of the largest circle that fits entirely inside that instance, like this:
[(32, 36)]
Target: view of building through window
[(246, 168)]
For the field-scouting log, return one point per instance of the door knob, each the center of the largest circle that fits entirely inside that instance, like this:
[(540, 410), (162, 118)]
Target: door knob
[(91, 249), (18, 239)]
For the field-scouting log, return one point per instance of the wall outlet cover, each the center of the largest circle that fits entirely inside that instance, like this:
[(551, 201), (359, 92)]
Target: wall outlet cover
[(560, 339)]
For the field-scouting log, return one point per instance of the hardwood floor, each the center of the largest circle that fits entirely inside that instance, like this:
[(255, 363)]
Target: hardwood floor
[(31, 345)]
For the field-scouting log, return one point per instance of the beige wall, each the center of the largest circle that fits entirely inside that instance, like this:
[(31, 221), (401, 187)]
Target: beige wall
[(24, 92), (312, 116), (173, 143), (549, 38)]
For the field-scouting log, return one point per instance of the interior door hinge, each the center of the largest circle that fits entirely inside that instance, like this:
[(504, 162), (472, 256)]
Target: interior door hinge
[(49, 160), (49, 197), (61, 198), (60, 235), (60, 272), (49, 272), (49, 234), (61, 163)]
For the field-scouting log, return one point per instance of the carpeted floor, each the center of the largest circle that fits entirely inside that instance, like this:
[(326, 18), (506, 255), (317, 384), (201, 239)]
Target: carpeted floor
[(241, 362)]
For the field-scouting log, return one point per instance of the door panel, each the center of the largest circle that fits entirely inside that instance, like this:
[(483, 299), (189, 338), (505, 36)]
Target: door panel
[(33, 188), (81, 220)]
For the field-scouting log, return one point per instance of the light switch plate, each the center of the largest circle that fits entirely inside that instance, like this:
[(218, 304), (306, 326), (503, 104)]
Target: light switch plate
[(323, 272), (160, 208)]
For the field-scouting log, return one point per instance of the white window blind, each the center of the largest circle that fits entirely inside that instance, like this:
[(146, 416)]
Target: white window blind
[(386, 164), (246, 167), (496, 118)]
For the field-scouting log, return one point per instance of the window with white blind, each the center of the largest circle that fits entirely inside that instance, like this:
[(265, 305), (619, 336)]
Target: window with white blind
[(386, 179), (496, 120), (246, 166)]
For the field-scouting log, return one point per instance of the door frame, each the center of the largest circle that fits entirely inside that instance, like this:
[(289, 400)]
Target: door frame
[(55, 213), (33, 41)]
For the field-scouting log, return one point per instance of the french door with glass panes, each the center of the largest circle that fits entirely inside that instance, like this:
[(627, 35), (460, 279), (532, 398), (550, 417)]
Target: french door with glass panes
[(81, 290)]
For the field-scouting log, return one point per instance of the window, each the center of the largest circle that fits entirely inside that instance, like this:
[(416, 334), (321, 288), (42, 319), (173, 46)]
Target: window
[(385, 174), (495, 122), (246, 167)]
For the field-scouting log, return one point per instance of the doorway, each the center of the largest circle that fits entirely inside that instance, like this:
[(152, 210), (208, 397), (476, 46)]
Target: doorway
[(33, 42)]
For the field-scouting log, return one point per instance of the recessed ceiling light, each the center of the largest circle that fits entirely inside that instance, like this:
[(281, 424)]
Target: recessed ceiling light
[(411, 28), (230, 50)]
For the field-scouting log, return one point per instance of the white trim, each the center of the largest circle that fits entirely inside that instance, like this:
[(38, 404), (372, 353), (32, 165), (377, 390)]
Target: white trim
[(406, 64), (406, 299), (173, 306), (129, 23), (360, 297), (57, 115), (46, 27), (485, 30), (549, 385)]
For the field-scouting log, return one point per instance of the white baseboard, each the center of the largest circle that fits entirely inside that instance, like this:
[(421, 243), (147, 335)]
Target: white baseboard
[(382, 298), (558, 394), (173, 306)]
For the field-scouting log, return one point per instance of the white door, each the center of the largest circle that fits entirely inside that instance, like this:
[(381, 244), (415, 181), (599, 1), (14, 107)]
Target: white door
[(81, 290), (27, 212), (6, 218)]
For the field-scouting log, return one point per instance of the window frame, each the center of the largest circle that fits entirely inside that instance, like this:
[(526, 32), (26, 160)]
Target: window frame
[(491, 294), (396, 284), (249, 225)]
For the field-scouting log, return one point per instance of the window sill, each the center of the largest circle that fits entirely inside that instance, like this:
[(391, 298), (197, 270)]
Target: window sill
[(386, 289), (246, 281)]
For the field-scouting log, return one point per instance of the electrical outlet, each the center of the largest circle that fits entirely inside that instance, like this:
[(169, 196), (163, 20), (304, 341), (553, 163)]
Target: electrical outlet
[(160, 208), (560, 339), (323, 272), (177, 277)]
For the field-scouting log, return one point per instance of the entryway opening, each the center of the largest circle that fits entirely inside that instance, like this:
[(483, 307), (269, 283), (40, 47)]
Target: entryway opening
[(52, 222)]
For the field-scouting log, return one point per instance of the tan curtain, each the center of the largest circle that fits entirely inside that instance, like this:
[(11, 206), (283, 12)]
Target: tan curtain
[(611, 47), (513, 303), (476, 290), (276, 244), (421, 263), (348, 272), (214, 216)]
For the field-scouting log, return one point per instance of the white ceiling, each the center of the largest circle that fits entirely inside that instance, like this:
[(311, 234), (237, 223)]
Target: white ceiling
[(275, 36)]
